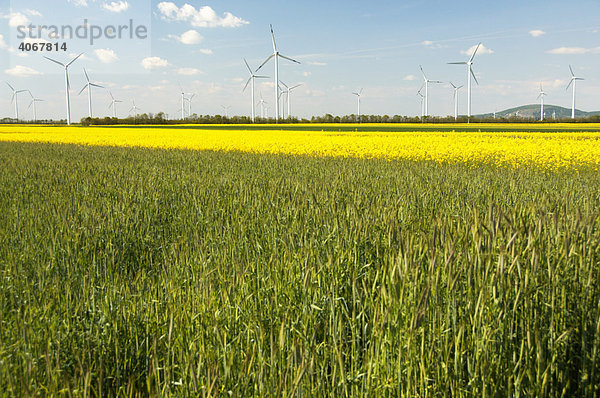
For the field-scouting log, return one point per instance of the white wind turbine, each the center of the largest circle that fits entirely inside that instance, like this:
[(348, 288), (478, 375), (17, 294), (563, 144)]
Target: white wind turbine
[(426, 82), (288, 91), (113, 104), (420, 94), (135, 109), (574, 83), (67, 84), (15, 99), (252, 79), (189, 101), (226, 109), (32, 103), (276, 55), (262, 103), (470, 73), (541, 97), (89, 86), (358, 96), (455, 99)]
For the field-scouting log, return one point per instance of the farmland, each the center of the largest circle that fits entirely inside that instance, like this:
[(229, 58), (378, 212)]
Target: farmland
[(258, 262)]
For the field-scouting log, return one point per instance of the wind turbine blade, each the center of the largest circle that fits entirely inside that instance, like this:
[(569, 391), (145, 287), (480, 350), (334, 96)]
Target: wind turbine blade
[(262, 77), (452, 84), (86, 75), (474, 52), (31, 95), (56, 62), (273, 37), (423, 72), (569, 85), (13, 97), (248, 66), (75, 59), (247, 83), (459, 87), (296, 86), (264, 63), (361, 91), (456, 63), (289, 59), (571, 69), (111, 96), (83, 89), (96, 85), (474, 77), (11, 87), (435, 81), (31, 103), (422, 86), (284, 85)]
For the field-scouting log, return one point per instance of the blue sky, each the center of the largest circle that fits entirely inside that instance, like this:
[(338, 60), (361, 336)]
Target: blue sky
[(342, 45)]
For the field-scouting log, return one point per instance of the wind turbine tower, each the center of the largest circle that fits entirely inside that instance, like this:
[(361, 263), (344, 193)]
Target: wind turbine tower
[(541, 97), (15, 99), (426, 82), (89, 86), (456, 99), (252, 79), (67, 84), (276, 55), (470, 74), (358, 95), (573, 83)]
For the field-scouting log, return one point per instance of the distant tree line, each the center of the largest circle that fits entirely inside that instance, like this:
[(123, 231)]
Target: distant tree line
[(162, 119)]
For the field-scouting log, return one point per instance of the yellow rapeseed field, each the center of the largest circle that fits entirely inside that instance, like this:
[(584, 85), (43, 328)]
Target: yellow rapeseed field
[(551, 150)]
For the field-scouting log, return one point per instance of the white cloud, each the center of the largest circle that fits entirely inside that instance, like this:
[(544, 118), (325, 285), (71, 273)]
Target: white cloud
[(78, 3), (116, 6), (482, 50), (574, 50), (190, 37), (206, 51), (106, 55), (410, 78), (189, 71), (16, 19), (315, 63), (306, 74), (154, 63), (33, 13), (537, 33), (204, 17), (3, 45), (22, 71), (427, 43)]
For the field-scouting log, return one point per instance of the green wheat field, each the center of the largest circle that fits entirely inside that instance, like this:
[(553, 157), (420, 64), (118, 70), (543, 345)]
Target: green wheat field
[(139, 272)]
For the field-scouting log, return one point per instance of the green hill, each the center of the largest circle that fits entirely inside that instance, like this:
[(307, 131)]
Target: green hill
[(533, 112)]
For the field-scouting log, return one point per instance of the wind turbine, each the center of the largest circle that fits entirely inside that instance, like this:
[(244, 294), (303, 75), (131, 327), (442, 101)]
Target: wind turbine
[(276, 55), (289, 96), (455, 99), (189, 100), (262, 103), (89, 86), (67, 85), (113, 104), (226, 109), (420, 94), (283, 99), (134, 108), (183, 99), (470, 73), (358, 95), (574, 83), (541, 97), (252, 79), (32, 103), (15, 99), (426, 82)]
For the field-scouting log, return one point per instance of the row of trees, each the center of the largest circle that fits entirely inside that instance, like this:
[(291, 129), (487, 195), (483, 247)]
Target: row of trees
[(161, 118)]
